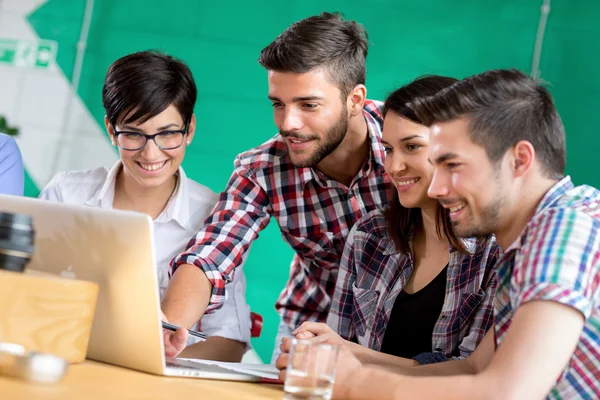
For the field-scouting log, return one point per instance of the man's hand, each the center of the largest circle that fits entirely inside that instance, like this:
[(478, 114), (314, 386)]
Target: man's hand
[(174, 341), (346, 368)]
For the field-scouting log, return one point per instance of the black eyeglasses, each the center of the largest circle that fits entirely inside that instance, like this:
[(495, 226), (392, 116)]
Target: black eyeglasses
[(165, 140)]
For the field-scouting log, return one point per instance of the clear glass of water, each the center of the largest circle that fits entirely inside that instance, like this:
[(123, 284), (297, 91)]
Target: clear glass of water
[(311, 371)]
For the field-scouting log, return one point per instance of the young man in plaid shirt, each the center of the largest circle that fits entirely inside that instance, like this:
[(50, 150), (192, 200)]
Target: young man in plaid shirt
[(316, 178), (498, 146)]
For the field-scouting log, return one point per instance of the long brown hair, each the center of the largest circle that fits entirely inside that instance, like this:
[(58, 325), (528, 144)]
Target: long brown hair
[(403, 222)]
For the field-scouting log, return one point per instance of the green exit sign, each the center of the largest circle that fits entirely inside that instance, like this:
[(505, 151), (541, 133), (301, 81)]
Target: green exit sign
[(28, 53)]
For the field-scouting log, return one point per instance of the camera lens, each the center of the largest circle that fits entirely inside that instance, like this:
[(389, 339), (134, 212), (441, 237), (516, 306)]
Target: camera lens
[(16, 241)]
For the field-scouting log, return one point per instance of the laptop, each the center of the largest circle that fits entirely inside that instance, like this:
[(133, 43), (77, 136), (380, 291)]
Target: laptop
[(114, 249)]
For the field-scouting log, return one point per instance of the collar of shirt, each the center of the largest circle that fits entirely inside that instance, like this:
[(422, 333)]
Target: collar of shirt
[(176, 209), (551, 196), (374, 162)]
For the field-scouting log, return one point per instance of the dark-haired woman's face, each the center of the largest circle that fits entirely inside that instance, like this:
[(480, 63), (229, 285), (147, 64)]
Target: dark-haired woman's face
[(152, 166), (406, 146)]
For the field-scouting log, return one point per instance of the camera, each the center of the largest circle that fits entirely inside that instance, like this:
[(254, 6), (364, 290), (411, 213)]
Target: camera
[(16, 241)]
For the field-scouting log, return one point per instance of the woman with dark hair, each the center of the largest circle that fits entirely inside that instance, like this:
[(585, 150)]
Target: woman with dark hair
[(149, 99), (409, 291)]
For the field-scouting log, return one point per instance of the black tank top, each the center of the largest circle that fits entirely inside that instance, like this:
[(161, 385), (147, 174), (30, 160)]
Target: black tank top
[(413, 317)]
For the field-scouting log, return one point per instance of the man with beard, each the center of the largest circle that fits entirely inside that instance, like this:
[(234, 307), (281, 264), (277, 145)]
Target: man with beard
[(317, 177)]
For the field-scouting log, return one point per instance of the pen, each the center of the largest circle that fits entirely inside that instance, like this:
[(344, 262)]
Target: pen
[(173, 328)]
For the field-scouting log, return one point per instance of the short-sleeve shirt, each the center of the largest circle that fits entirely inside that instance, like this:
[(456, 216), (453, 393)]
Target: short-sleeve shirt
[(557, 258)]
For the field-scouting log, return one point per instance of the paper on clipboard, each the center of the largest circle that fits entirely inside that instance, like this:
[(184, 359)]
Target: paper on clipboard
[(266, 371)]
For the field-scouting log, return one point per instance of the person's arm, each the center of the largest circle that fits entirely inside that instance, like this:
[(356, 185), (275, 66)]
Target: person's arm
[(228, 328), (537, 347), (187, 296), (215, 348), (199, 275), (476, 362), (12, 173), (321, 333), (348, 365)]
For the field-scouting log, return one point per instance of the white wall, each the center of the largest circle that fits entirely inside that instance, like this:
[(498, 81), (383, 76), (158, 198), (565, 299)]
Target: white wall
[(37, 102)]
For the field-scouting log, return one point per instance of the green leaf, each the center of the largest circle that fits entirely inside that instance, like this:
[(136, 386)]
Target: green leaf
[(4, 128)]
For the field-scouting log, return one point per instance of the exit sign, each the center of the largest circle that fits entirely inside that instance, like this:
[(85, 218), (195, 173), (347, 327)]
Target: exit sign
[(28, 53)]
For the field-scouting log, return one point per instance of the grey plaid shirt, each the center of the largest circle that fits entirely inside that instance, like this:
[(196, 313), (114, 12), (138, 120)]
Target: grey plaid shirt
[(372, 274)]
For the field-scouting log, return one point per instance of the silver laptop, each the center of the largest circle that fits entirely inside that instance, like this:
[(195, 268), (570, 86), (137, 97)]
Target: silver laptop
[(115, 250)]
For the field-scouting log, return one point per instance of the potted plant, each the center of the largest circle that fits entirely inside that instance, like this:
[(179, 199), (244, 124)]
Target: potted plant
[(4, 128)]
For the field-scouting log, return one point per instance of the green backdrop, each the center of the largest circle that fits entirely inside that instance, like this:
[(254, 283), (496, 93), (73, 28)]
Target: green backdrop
[(221, 43)]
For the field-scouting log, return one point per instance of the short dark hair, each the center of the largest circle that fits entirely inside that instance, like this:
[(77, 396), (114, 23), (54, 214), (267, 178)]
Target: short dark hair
[(503, 108), (403, 222), (141, 85), (324, 40)]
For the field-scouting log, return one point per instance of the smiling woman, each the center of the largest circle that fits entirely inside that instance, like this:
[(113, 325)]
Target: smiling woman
[(151, 153), (149, 117)]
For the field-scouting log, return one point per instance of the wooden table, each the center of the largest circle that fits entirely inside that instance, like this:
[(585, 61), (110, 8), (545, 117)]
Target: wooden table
[(93, 380)]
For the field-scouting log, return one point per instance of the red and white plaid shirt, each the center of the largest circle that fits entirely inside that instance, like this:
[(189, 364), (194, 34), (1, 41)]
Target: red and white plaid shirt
[(315, 215)]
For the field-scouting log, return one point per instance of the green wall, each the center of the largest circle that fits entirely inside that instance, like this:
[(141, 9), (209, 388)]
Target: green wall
[(221, 43)]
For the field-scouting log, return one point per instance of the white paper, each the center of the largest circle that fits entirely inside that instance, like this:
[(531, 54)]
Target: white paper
[(262, 370)]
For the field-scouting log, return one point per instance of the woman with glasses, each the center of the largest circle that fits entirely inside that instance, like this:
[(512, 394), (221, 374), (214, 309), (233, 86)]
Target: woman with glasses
[(149, 100)]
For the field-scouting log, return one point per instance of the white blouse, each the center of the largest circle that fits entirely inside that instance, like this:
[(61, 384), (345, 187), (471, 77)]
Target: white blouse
[(183, 216)]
